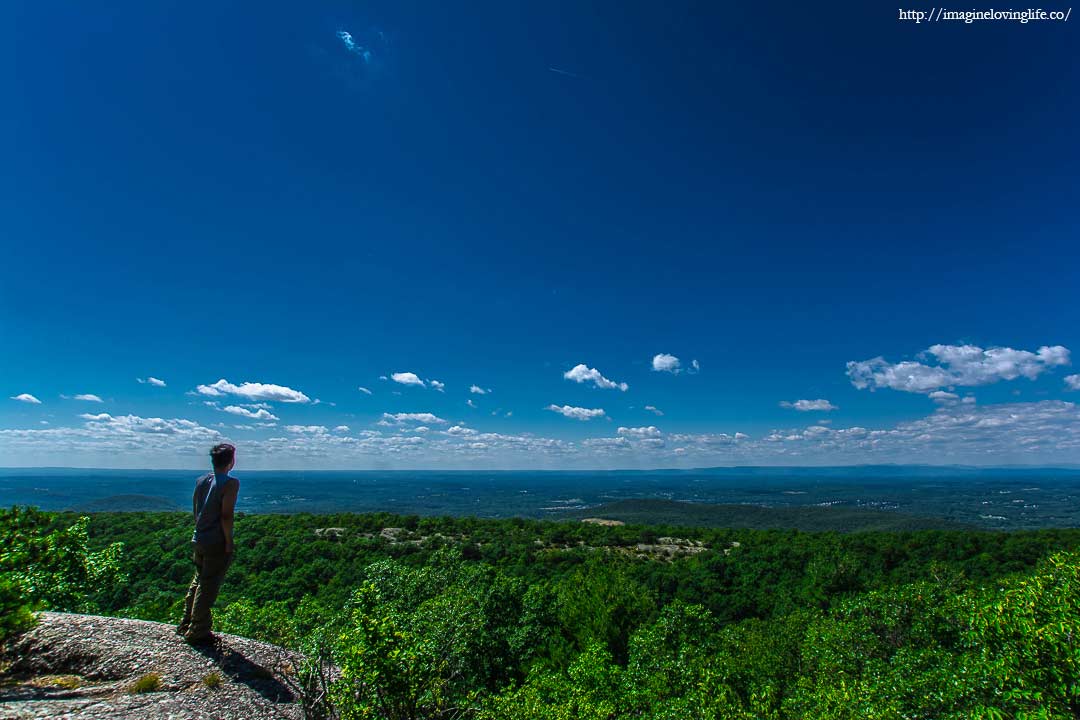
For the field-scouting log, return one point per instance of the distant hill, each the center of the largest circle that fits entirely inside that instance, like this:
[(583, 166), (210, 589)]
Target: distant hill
[(129, 503), (839, 519)]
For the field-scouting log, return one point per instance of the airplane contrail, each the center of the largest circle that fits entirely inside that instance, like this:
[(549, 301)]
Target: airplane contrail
[(563, 72)]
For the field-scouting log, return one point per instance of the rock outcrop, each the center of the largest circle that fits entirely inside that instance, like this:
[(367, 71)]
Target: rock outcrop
[(85, 666)]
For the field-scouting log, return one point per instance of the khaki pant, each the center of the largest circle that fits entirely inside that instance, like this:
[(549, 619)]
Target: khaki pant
[(211, 562)]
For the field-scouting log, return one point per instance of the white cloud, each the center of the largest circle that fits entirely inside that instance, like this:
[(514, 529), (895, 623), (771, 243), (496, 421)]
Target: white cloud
[(663, 362), (808, 405), (582, 373), (941, 396), (578, 413), (654, 411), (441, 387), (640, 433), (957, 365), (364, 390), (470, 403), (306, 429), (423, 418), (341, 428), (254, 391), (477, 390), (88, 397), (151, 381), (26, 398), (1072, 382), (407, 378), (260, 414)]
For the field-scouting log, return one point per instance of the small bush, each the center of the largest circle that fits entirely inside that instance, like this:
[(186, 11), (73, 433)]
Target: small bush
[(212, 681), (150, 682), (65, 682)]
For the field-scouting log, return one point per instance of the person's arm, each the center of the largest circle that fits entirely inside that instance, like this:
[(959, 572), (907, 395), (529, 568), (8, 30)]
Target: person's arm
[(228, 507), (195, 503)]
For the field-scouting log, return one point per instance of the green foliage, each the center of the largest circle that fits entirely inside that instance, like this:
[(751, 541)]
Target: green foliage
[(47, 567), (460, 617), (150, 682), (425, 642)]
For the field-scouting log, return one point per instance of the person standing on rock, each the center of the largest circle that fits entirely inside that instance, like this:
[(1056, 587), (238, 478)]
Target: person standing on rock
[(213, 505)]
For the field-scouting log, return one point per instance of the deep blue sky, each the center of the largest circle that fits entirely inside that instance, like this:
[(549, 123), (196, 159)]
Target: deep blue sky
[(498, 192)]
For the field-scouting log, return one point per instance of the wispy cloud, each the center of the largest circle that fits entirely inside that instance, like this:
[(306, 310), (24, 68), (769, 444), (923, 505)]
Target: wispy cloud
[(584, 374), (254, 391), (88, 397), (26, 398), (654, 410), (477, 390), (156, 382), (577, 413), (560, 71), (423, 418), (808, 405), (354, 47), (640, 433), (957, 365), (259, 414), (364, 390)]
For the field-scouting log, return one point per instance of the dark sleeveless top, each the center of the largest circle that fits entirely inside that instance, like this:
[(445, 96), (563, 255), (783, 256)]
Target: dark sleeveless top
[(208, 491)]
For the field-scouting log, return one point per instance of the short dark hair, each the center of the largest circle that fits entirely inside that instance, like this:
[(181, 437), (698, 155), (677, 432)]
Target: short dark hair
[(222, 455)]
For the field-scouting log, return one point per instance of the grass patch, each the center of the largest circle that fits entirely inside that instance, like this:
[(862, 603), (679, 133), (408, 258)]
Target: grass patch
[(212, 681), (64, 682), (150, 682)]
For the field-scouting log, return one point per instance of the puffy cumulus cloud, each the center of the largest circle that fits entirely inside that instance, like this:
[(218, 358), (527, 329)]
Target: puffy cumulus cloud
[(1072, 382), (581, 373), (808, 405), (341, 428), (663, 362), (640, 432), (411, 378), (577, 413), (957, 432), (477, 390), (422, 418), (258, 414), (26, 398), (151, 381), (254, 391), (614, 443), (956, 365), (104, 437), (88, 397), (364, 390)]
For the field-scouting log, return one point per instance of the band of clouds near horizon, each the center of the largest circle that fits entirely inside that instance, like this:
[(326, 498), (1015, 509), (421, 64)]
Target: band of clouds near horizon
[(957, 424)]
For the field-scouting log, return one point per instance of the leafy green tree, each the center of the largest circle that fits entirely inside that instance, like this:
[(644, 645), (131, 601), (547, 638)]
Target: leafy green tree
[(42, 567)]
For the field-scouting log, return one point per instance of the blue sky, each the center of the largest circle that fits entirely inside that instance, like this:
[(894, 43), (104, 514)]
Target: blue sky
[(864, 232)]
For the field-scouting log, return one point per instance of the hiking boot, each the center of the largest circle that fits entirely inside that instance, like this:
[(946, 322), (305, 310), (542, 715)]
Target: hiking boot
[(198, 638)]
